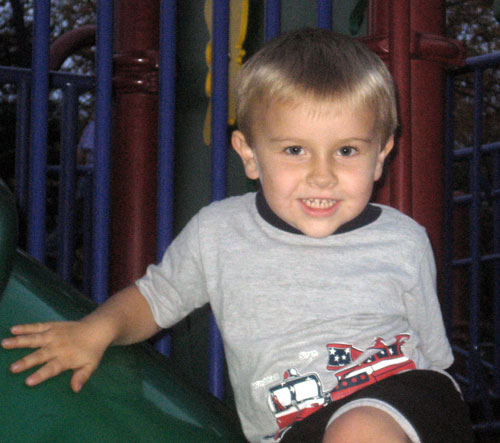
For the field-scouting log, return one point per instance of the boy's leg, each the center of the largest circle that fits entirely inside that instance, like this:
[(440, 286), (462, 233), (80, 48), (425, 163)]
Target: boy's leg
[(425, 405), (365, 424)]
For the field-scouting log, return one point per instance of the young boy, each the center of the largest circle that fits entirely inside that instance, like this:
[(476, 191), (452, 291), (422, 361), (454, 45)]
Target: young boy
[(326, 303)]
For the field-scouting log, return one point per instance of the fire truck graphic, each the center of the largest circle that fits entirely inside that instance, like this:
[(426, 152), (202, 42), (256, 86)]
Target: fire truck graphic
[(356, 369), (295, 398), (298, 396)]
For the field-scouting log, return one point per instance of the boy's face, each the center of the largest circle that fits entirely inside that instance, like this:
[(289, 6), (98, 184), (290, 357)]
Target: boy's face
[(316, 161)]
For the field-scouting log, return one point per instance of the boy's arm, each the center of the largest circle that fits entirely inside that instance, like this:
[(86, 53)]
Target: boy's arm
[(123, 319), (127, 315)]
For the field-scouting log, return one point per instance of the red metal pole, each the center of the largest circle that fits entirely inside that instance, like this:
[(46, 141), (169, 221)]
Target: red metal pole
[(408, 35), (69, 43), (378, 29), (133, 192), (427, 138), (400, 63)]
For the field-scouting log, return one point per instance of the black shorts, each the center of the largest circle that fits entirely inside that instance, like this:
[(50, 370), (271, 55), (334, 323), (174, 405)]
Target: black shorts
[(425, 403)]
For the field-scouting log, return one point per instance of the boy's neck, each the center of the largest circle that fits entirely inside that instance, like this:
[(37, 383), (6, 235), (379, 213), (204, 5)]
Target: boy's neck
[(367, 216)]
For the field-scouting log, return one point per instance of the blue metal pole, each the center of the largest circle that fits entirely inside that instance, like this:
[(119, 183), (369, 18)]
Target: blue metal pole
[(324, 14), (219, 152), (484, 61), (104, 50), (22, 143), (272, 19), (448, 202), (219, 98), (88, 209), (496, 273), (474, 238), (67, 182), (39, 118), (166, 137)]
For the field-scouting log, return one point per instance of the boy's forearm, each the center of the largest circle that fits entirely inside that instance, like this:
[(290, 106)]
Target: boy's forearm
[(124, 318)]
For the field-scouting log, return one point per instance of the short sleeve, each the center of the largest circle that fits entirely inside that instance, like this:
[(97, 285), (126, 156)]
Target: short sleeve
[(176, 286)]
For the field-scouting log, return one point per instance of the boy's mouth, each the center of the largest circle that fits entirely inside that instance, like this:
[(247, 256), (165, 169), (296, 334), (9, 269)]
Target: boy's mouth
[(319, 203)]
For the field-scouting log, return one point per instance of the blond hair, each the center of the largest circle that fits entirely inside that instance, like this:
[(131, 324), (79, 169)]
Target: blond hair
[(317, 64)]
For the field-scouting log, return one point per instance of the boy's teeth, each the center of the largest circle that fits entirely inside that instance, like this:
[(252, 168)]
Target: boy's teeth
[(319, 203)]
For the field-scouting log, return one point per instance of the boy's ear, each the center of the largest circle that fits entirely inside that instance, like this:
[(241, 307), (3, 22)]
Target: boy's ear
[(246, 154), (382, 155)]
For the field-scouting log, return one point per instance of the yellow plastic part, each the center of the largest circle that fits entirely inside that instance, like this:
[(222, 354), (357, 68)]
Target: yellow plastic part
[(238, 24)]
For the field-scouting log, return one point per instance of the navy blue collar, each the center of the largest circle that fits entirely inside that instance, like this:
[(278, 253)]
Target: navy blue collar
[(369, 215)]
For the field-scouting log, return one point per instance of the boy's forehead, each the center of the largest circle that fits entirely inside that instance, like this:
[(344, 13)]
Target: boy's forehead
[(314, 107), (302, 99), (284, 119)]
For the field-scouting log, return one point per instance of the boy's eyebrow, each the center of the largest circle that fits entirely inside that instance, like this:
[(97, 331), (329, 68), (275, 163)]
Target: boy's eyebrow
[(359, 139), (342, 141), (284, 139)]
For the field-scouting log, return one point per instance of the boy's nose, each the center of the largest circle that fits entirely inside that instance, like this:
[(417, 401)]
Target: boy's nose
[(322, 174)]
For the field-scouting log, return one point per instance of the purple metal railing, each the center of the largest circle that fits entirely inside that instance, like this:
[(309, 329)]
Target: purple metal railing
[(166, 123), (71, 86), (481, 378), (272, 17), (31, 165), (102, 173), (166, 138), (67, 188), (23, 106), (219, 129), (324, 14), (39, 120)]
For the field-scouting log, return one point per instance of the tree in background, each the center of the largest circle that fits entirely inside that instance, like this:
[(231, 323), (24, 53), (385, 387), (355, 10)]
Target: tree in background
[(476, 24), (16, 29)]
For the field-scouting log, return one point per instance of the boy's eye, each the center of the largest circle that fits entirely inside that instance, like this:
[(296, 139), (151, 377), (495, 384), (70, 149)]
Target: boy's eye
[(347, 151), (294, 150)]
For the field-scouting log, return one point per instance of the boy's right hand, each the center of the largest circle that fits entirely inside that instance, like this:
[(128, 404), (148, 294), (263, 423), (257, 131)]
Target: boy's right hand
[(122, 319), (62, 346)]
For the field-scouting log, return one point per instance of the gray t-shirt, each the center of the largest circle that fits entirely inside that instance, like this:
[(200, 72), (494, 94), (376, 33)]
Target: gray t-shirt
[(304, 321)]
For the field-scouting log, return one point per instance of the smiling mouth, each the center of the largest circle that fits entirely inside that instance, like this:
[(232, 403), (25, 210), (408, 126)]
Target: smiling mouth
[(319, 203)]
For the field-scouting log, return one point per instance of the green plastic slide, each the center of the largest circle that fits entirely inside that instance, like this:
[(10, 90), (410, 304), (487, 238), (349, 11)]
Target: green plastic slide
[(132, 397)]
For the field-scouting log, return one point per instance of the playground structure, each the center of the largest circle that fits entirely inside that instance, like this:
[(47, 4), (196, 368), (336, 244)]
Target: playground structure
[(407, 35)]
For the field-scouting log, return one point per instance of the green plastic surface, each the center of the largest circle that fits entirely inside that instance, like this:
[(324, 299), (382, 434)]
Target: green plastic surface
[(132, 397), (8, 233)]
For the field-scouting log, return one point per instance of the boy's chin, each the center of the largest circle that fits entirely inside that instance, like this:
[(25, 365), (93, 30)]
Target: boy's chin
[(317, 232), (319, 235)]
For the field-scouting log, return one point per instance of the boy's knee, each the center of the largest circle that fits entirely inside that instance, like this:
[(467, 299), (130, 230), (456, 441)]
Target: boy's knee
[(365, 425)]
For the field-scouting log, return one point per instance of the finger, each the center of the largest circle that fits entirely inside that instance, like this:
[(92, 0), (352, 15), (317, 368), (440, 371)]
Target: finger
[(21, 330), (34, 340), (49, 370), (34, 359), (80, 377), (30, 328)]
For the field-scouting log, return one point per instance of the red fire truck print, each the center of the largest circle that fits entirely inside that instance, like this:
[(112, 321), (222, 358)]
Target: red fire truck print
[(298, 396), (356, 369)]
